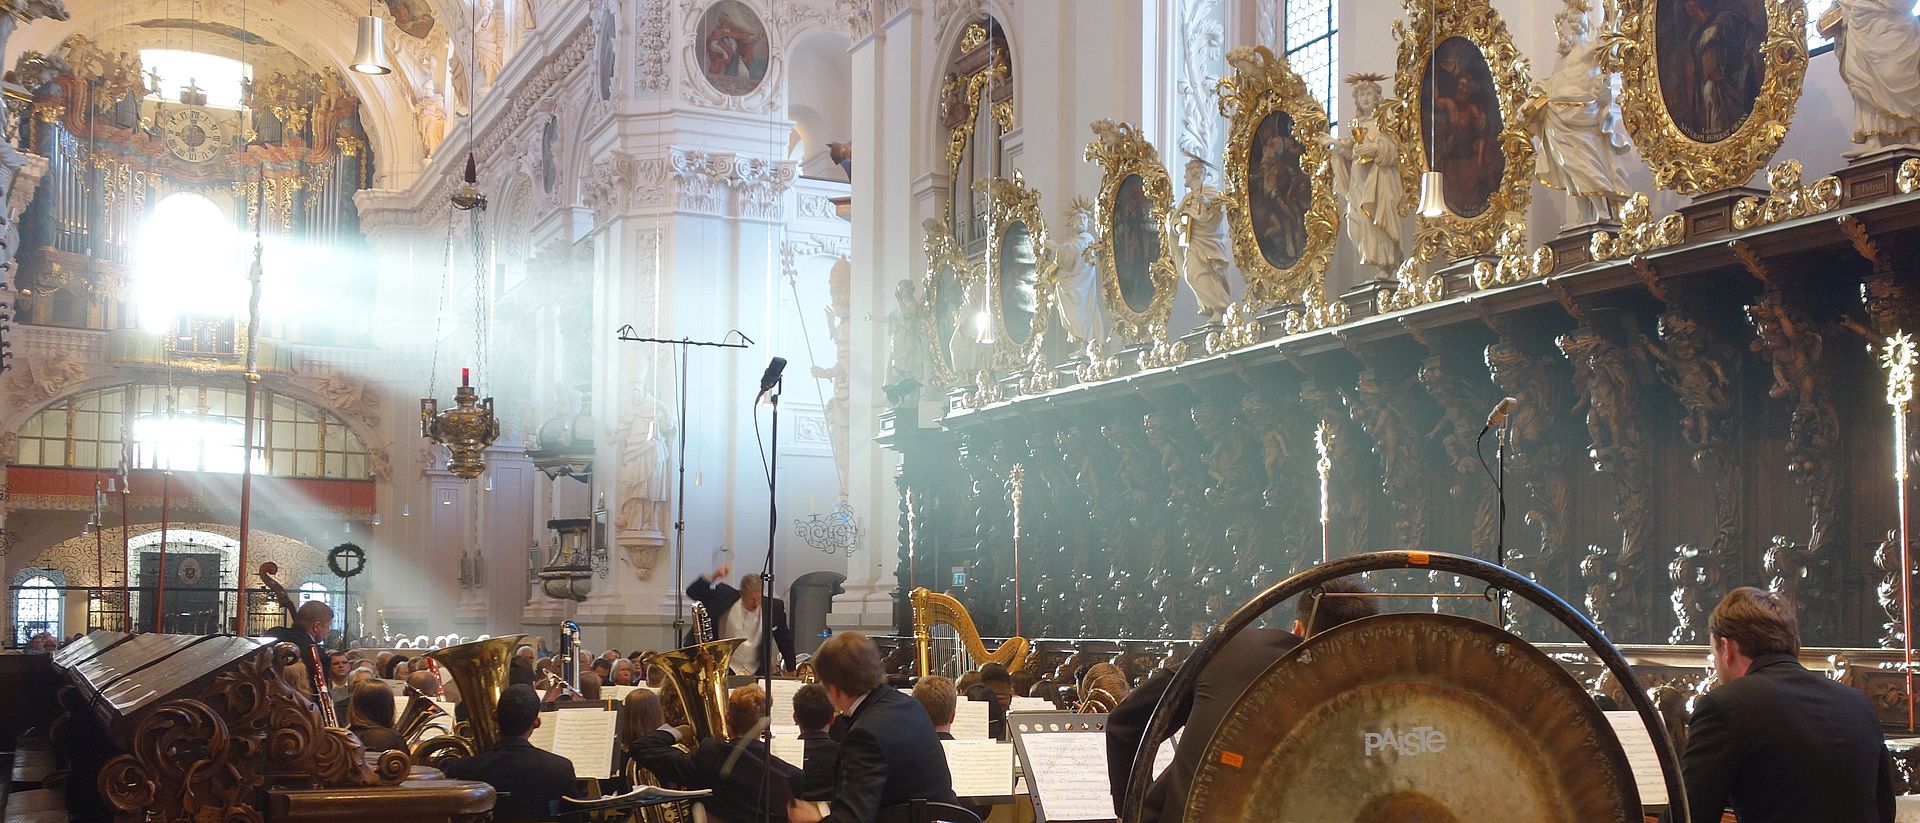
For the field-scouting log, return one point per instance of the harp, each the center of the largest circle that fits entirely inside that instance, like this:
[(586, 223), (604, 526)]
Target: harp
[(930, 607)]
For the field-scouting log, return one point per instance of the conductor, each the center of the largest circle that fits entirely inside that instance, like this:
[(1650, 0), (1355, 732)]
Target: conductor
[(738, 612)]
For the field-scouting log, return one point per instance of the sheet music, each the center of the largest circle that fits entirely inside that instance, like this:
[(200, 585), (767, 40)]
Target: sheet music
[(542, 737), (788, 746), (1067, 772), (616, 694), (586, 738), (781, 701), (980, 768), (1638, 744), (1031, 704), (970, 719)]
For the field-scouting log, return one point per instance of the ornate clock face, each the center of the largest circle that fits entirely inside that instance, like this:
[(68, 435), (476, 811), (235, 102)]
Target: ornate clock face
[(194, 135)]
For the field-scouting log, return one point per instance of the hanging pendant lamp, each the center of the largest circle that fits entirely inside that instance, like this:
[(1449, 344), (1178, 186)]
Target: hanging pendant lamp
[(1433, 201), (370, 51)]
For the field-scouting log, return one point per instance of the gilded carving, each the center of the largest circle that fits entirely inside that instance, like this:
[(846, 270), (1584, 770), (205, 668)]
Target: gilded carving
[(1907, 180), (1018, 273), (1160, 350), (1315, 313), (1679, 161), (1239, 328), (1639, 232), (1536, 459), (1514, 263), (1262, 86), (1788, 199), (1134, 209), (1428, 27)]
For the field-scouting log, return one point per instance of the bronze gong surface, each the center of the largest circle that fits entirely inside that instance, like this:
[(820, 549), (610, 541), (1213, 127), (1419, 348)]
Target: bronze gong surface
[(1414, 718)]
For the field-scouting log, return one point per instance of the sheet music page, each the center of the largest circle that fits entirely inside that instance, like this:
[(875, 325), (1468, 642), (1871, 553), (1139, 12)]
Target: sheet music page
[(1164, 757), (1067, 773), (970, 719), (616, 693), (788, 746), (781, 701), (542, 737), (586, 738), (980, 768), (1031, 704), (1638, 744)]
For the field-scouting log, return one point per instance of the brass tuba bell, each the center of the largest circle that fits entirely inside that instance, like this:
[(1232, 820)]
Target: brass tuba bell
[(479, 670), (698, 675)]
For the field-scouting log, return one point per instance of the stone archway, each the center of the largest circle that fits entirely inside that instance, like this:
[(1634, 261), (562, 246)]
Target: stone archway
[(80, 558)]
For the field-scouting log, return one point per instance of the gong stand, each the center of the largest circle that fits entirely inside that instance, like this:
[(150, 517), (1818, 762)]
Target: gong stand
[(1181, 688)]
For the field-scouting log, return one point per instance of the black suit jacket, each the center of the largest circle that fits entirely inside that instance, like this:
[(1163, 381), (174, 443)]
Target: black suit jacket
[(532, 779), (888, 756), (736, 790), (719, 598), (1785, 744), (1226, 676), (820, 763)]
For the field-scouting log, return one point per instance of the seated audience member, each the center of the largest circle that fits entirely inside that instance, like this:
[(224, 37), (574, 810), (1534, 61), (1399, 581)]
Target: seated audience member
[(622, 673), (937, 696), (338, 667), (532, 779), (380, 661), (370, 716), (425, 682), (394, 669), (732, 769), (1774, 741), (889, 754), (602, 667), (813, 712), (520, 669), (1242, 660), (996, 716), (589, 686)]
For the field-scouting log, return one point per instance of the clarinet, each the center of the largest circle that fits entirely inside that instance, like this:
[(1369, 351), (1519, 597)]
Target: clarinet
[(569, 656), (320, 694)]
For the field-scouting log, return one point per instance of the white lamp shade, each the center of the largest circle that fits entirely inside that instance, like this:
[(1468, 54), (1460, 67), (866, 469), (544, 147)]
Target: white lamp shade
[(370, 52), (1433, 199)]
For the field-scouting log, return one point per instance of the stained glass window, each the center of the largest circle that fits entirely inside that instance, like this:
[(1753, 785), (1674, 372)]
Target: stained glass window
[(1312, 48), (36, 608)]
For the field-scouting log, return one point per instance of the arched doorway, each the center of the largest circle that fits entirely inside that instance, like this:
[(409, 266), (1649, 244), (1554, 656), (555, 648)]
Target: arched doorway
[(200, 570)]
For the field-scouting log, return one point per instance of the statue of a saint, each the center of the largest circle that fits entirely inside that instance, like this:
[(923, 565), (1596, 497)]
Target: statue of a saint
[(430, 117), (1575, 124), (906, 337), (1366, 174), (1200, 226), (489, 48), (1878, 43), (839, 313), (1077, 280), (646, 459)]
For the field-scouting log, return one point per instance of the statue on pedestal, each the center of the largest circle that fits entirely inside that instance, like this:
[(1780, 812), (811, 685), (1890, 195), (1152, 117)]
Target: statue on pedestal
[(1366, 175), (1077, 278), (906, 328), (1575, 123), (1878, 43), (839, 313), (1200, 228), (646, 460)]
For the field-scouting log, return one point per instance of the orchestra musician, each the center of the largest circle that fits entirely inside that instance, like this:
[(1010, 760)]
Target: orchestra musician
[(889, 754), (531, 779), (937, 695), (813, 713), (370, 716), (733, 769), (1241, 661)]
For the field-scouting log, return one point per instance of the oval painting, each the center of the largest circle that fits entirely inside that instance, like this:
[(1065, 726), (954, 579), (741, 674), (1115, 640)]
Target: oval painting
[(1708, 56), (1018, 279), (1463, 110), (733, 48), (1278, 192), (1136, 242)]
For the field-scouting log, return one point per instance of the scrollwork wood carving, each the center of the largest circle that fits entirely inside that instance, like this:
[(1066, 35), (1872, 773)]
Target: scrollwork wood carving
[(1379, 406), (1607, 377), (1793, 347), (1537, 460)]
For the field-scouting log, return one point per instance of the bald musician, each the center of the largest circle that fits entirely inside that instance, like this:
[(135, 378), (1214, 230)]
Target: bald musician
[(1241, 661), (1776, 742)]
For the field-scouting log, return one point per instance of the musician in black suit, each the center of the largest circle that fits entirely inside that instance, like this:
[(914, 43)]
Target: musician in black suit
[(813, 712), (889, 755), (531, 779), (312, 621), (1777, 742), (1241, 661), (720, 601), (734, 769)]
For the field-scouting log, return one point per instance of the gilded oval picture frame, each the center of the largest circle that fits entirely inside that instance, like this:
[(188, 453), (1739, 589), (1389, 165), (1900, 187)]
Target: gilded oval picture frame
[(1708, 87), (1279, 187), (1137, 276), (1460, 76), (946, 302), (1018, 272)]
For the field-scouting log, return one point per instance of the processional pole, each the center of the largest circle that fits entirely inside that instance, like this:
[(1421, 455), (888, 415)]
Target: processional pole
[(626, 334), (253, 391), (1898, 357)]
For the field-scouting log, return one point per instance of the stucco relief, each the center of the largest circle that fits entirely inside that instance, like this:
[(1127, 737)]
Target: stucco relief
[(39, 377)]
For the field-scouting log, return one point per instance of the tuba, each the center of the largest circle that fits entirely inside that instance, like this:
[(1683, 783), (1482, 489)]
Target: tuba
[(420, 715), (704, 631), (698, 677), (479, 671)]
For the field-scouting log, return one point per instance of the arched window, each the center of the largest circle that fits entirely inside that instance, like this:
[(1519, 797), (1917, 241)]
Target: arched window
[(313, 589), (37, 604), (1312, 48), (200, 430)]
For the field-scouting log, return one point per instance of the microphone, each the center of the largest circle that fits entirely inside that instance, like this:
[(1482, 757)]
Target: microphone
[(1498, 417), (771, 376)]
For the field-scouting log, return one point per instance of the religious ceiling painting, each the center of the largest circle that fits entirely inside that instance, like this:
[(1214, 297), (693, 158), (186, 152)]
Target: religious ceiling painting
[(414, 17), (1461, 84), (1019, 276), (1708, 86), (1279, 186), (734, 48), (1136, 197)]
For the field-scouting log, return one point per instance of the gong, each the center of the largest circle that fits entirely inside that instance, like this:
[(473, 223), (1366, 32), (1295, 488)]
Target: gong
[(1414, 718)]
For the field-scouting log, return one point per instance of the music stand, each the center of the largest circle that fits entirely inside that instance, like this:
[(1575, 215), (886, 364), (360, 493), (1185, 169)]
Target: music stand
[(626, 334)]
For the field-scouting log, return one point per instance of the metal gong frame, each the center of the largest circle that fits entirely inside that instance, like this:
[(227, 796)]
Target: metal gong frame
[(1495, 576)]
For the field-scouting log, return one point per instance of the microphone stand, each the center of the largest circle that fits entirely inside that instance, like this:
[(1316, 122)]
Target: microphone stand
[(768, 652), (1501, 439), (626, 334)]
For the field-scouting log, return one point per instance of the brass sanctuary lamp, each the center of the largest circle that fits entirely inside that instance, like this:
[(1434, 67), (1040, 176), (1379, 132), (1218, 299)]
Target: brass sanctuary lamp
[(466, 430)]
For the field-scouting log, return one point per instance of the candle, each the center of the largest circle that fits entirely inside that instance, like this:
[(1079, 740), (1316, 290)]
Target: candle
[(463, 377)]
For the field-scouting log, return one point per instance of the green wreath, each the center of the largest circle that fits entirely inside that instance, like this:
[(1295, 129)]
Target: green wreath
[(346, 560)]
